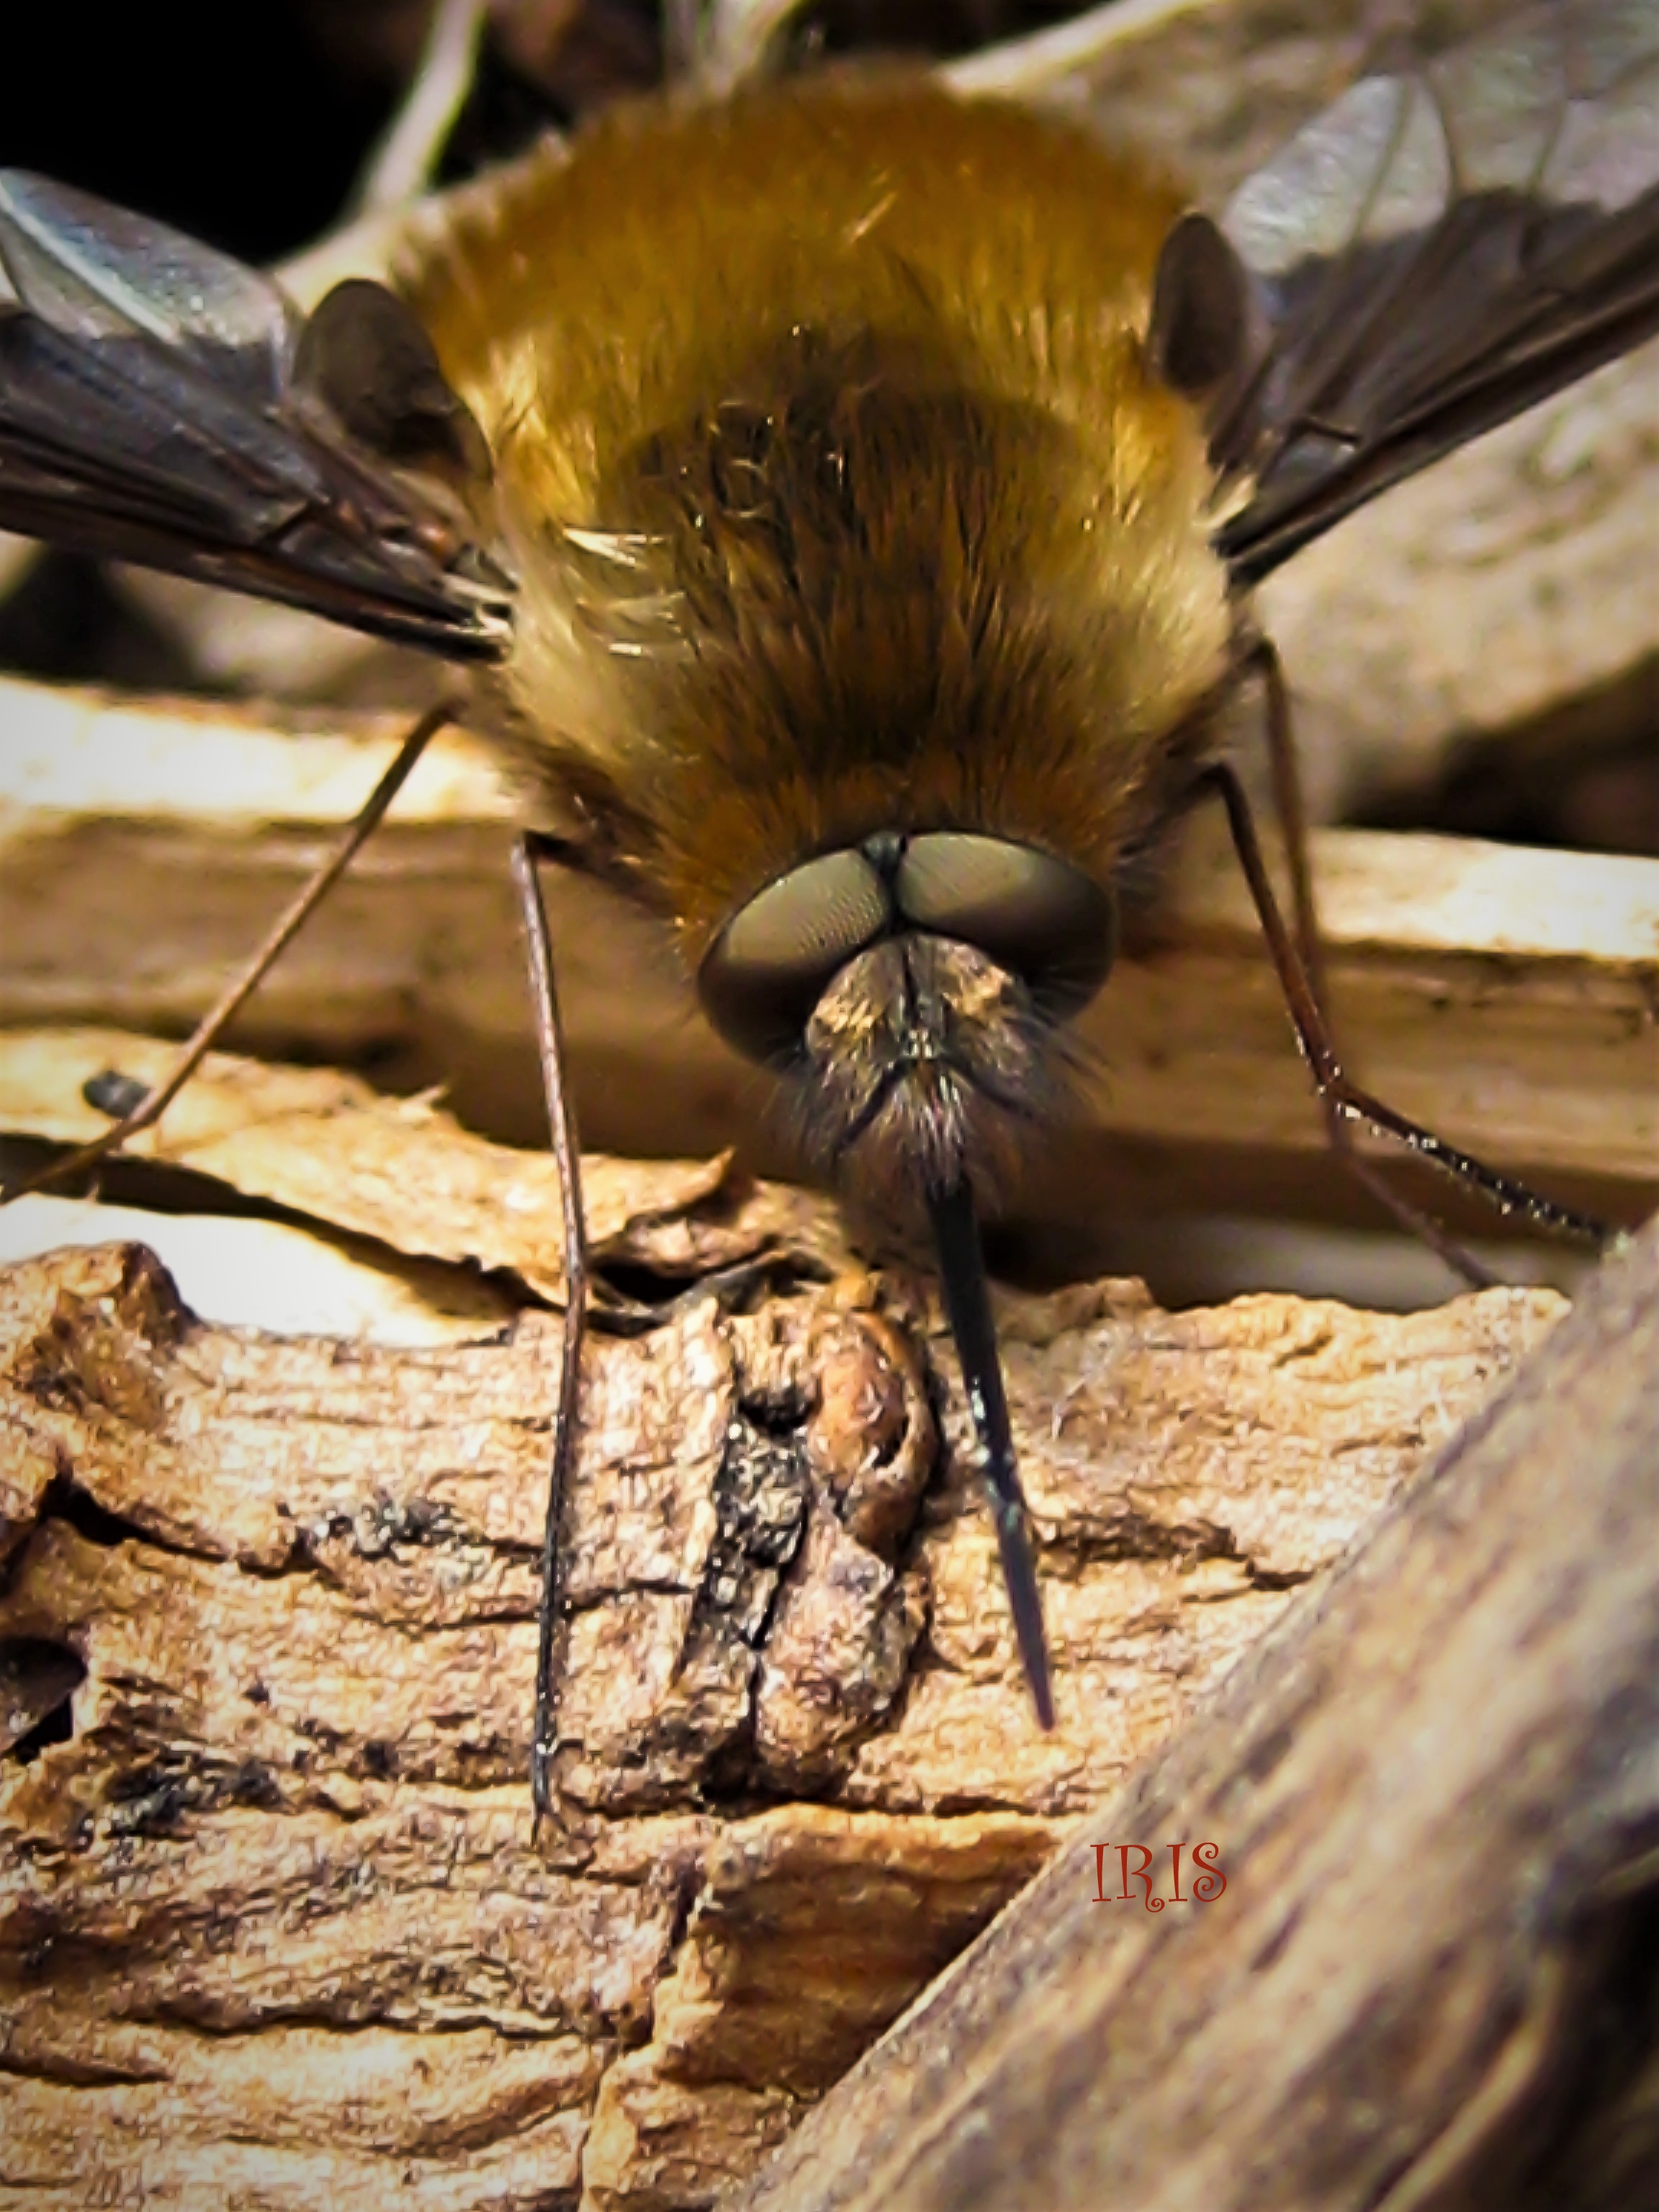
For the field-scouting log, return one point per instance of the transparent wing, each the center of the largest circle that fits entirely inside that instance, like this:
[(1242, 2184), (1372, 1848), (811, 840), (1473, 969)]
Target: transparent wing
[(1435, 252), (162, 404)]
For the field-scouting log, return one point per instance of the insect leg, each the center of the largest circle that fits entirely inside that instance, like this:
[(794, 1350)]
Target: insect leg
[(151, 1106), (1261, 659), (528, 852), (1313, 1035)]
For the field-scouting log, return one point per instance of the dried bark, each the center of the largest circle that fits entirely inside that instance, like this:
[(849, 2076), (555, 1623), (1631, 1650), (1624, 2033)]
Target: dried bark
[(1430, 1980), (273, 1927)]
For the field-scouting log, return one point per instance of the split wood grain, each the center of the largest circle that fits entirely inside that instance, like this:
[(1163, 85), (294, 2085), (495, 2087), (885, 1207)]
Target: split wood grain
[(272, 1921), (1509, 999)]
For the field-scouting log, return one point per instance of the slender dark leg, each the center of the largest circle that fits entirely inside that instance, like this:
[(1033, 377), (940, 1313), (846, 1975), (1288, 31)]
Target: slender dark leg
[(1345, 1097), (1261, 659), (231, 1001), (527, 853)]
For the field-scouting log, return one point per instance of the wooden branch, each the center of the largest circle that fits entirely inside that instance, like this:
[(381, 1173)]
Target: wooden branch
[(1432, 1793), (272, 1920), (1507, 998)]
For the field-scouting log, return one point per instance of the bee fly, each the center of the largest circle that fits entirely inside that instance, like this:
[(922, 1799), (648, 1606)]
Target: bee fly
[(850, 495)]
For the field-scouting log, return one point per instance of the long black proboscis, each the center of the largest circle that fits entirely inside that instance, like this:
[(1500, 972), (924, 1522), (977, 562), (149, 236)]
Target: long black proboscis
[(967, 1304)]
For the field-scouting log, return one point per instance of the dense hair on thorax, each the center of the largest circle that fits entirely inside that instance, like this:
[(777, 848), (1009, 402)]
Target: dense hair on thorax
[(841, 494)]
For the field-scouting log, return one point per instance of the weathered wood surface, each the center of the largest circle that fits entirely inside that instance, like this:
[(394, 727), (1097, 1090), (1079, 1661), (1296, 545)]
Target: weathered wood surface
[(273, 1929), (1507, 998), (1434, 1793)]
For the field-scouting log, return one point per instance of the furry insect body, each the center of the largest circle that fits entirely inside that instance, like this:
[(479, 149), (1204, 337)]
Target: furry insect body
[(839, 493), (843, 503)]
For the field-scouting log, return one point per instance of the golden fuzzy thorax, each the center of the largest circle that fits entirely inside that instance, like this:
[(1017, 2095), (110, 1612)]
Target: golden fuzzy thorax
[(840, 494)]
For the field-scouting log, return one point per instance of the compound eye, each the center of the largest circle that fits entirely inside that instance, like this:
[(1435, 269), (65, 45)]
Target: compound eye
[(366, 356), (774, 960), (1043, 919)]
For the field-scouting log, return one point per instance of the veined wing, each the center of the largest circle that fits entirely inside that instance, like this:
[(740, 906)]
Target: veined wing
[(1438, 251), (160, 402)]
